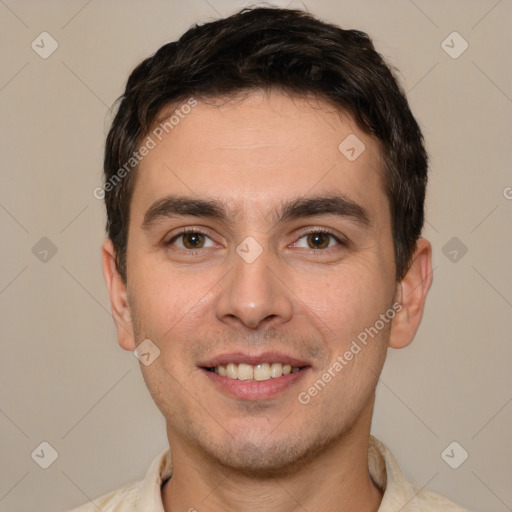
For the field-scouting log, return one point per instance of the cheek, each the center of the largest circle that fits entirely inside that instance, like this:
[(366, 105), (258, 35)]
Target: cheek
[(160, 303), (348, 299)]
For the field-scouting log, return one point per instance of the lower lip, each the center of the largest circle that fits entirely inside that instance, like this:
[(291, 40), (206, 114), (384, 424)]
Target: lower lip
[(254, 389)]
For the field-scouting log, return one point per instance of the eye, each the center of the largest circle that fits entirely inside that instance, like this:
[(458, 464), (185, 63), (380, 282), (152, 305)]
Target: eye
[(191, 239), (320, 239)]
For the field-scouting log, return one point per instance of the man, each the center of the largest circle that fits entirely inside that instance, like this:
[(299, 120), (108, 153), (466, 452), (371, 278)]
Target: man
[(265, 183)]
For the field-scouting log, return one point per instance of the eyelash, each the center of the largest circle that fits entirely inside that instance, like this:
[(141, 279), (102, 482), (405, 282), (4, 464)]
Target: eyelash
[(187, 232), (341, 242), (199, 231)]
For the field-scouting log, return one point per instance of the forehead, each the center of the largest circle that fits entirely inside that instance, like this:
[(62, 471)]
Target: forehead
[(258, 150)]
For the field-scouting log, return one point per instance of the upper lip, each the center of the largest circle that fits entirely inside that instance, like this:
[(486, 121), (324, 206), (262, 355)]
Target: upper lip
[(266, 357)]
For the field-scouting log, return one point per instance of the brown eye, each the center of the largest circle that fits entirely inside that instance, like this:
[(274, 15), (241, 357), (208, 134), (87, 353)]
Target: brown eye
[(193, 240), (190, 239), (318, 240)]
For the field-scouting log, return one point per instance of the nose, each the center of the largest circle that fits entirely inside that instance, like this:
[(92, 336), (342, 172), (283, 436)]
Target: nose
[(254, 294)]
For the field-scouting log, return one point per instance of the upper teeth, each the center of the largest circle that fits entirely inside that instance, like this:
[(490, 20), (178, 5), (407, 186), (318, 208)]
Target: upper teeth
[(264, 371)]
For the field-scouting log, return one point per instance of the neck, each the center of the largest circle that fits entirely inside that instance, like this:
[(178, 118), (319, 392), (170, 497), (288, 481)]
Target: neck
[(337, 480)]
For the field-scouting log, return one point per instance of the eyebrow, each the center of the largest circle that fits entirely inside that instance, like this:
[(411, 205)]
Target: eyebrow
[(173, 206), (335, 204)]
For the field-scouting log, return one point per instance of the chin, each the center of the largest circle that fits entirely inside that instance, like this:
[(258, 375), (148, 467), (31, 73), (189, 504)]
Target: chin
[(266, 459)]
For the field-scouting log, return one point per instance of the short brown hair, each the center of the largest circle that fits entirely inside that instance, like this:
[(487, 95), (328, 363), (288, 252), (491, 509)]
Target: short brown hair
[(290, 50)]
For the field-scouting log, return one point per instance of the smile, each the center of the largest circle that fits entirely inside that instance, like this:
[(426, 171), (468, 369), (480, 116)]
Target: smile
[(258, 372)]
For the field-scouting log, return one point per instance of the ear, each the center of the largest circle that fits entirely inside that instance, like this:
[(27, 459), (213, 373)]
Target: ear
[(411, 294), (118, 297)]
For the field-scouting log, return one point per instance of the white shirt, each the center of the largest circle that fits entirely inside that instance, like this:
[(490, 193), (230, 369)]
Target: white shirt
[(398, 493)]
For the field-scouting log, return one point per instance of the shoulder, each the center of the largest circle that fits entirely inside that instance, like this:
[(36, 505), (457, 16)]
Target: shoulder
[(141, 495), (119, 500), (432, 502), (398, 492)]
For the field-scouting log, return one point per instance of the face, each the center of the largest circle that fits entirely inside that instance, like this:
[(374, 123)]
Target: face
[(257, 246)]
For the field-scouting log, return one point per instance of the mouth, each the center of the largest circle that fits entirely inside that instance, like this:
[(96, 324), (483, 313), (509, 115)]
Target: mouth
[(254, 377), (258, 372)]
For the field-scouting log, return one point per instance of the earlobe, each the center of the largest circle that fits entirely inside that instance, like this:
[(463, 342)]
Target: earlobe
[(412, 294), (118, 297)]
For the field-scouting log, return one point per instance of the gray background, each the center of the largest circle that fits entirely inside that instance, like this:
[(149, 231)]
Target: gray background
[(63, 378)]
